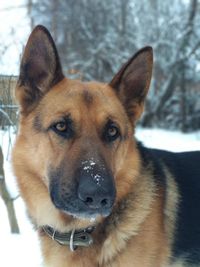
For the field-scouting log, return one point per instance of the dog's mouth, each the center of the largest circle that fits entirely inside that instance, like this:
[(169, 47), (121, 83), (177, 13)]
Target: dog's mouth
[(79, 210), (91, 219), (91, 216)]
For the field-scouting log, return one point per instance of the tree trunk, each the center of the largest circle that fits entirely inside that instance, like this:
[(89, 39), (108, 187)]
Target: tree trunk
[(7, 199), (29, 10), (183, 103)]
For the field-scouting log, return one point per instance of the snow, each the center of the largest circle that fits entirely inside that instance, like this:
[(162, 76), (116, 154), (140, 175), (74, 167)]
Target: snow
[(88, 166), (23, 250), (13, 247), (18, 250), (169, 140)]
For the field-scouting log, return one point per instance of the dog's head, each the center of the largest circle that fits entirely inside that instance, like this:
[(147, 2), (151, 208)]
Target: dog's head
[(75, 137)]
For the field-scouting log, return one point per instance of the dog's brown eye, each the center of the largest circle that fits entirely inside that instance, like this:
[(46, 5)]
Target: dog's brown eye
[(63, 128), (111, 132)]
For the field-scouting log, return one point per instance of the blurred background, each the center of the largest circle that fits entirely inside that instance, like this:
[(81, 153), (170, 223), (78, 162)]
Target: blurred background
[(94, 38)]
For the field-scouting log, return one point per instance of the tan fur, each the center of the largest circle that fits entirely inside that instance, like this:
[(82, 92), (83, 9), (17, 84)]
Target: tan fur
[(171, 206)]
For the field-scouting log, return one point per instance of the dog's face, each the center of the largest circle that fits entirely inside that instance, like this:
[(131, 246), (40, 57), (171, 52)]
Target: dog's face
[(76, 137)]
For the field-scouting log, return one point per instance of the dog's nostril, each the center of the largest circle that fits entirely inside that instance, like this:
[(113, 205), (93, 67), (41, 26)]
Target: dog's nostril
[(97, 202), (104, 202), (89, 200)]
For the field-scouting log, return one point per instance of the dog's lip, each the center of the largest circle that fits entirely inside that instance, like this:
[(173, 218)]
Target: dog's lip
[(82, 212), (86, 216)]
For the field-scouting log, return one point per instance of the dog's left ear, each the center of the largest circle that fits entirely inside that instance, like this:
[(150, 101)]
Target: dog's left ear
[(40, 69), (132, 82)]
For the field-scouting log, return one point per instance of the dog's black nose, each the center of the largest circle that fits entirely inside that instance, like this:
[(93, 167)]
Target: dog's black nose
[(97, 191), (94, 197), (91, 194)]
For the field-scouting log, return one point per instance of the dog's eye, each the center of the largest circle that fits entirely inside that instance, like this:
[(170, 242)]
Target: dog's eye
[(111, 132), (63, 128)]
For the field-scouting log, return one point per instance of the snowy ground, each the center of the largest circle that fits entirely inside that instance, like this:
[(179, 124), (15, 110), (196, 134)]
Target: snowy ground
[(168, 140), (13, 248)]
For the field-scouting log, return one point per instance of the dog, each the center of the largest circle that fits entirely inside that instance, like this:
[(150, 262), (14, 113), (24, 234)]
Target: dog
[(95, 195)]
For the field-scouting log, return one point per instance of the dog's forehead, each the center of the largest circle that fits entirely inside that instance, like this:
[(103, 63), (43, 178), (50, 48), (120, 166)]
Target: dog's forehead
[(81, 97), (87, 92)]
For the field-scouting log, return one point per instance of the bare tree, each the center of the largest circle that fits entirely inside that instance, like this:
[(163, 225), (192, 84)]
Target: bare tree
[(8, 200), (177, 71), (8, 119)]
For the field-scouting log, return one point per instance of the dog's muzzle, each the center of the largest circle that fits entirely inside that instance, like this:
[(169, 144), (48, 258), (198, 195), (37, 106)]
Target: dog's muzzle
[(91, 192)]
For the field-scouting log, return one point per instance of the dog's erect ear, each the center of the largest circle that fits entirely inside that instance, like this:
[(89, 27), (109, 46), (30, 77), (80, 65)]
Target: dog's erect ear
[(132, 82), (40, 69)]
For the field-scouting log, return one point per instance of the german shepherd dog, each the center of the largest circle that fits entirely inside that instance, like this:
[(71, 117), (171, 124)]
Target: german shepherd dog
[(96, 196)]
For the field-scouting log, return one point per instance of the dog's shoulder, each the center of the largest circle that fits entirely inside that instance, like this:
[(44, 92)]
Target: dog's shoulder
[(184, 167)]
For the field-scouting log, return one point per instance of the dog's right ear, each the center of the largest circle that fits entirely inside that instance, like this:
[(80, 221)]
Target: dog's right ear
[(40, 69)]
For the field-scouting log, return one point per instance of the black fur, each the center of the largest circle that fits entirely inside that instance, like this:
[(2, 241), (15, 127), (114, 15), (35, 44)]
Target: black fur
[(185, 168)]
